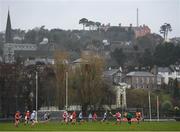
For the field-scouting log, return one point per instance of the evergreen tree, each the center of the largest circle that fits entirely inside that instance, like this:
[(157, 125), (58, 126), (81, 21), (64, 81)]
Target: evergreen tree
[(176, 91)]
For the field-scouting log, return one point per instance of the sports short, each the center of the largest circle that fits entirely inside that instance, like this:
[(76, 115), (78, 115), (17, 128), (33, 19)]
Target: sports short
[(118, 119), (104, 118), (33, 120), (138, 118), (129, 119)]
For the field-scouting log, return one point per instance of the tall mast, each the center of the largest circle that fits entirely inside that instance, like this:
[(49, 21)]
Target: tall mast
[(137, 17)]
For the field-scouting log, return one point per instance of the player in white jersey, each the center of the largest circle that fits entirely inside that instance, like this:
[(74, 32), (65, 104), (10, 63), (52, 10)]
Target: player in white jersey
[(33, 116)]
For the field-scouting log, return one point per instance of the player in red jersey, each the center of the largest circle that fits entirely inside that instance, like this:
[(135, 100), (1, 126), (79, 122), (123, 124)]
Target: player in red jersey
[(17, 118), (65, 117), (138, 116), (74, 117), (27, 117), (94, 116), (118, 117)]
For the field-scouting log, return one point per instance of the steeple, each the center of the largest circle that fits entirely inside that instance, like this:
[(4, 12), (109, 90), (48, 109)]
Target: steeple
[(8, 37)]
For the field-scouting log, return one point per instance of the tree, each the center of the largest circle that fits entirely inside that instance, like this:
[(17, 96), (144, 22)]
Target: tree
[(137, 98), (90, 24), (60, 69), (8, 88), (36, 35), (119, 56), (166, 106), (147, 58), (83, 21), (145, 42), (48, 88), (88, 82), (166, 54), (164, 29), (98, 24), (176, 91)]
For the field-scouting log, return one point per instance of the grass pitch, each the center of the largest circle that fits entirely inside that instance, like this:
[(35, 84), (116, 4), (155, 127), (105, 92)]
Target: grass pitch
[(94, 126)]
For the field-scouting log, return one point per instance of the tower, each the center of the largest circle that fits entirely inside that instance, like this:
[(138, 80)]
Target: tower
[(8, 36), (137, 17)]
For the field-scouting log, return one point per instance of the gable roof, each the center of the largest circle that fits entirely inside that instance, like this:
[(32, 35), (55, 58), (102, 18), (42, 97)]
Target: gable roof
[(164, 69), (139, 73), (110, 72), (175, 67), (80, 60)]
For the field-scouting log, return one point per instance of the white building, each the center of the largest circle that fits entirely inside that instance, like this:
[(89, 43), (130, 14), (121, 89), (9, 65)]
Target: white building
[(10, 48), (34, 61), (173, 71)]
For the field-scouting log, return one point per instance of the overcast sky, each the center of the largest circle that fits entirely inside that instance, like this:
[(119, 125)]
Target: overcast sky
[(65, 14)]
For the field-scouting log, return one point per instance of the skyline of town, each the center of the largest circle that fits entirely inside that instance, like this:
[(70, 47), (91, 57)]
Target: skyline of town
[(25, 13)]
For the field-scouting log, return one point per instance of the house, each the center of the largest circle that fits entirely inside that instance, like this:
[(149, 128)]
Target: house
[(141, 79), (165, 72), (141, 31), (173, 71), (175, 40), (115, 76)]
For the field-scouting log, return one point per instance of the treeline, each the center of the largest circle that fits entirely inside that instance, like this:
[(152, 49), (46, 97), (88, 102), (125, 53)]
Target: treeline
[(164, 54), (86, 87), (144, 51)]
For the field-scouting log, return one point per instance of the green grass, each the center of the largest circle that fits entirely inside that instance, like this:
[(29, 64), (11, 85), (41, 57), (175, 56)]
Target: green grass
[(97, 126)]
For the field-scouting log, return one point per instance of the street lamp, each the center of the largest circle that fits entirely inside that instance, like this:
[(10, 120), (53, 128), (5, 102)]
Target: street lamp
[(66, 77), (66, 90), (36, 94), (157, 108), (149, 96)]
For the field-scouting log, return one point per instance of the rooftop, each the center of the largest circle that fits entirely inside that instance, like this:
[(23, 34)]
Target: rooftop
[(110, 72), (139, 73), (80, 60), (163, 69)]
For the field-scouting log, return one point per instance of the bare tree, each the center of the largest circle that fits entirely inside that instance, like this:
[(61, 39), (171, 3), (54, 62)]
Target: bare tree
[(91, 88), (60, 68)]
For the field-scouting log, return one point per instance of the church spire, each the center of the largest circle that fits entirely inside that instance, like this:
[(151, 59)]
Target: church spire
[(8, 37)]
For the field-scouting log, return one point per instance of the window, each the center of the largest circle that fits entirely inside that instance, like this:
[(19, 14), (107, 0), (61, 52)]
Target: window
[(147, 80), (137, 80), (142, 80), (152, 80)]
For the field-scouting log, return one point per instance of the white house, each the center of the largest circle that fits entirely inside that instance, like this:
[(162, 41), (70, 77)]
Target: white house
[(173, 71)]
